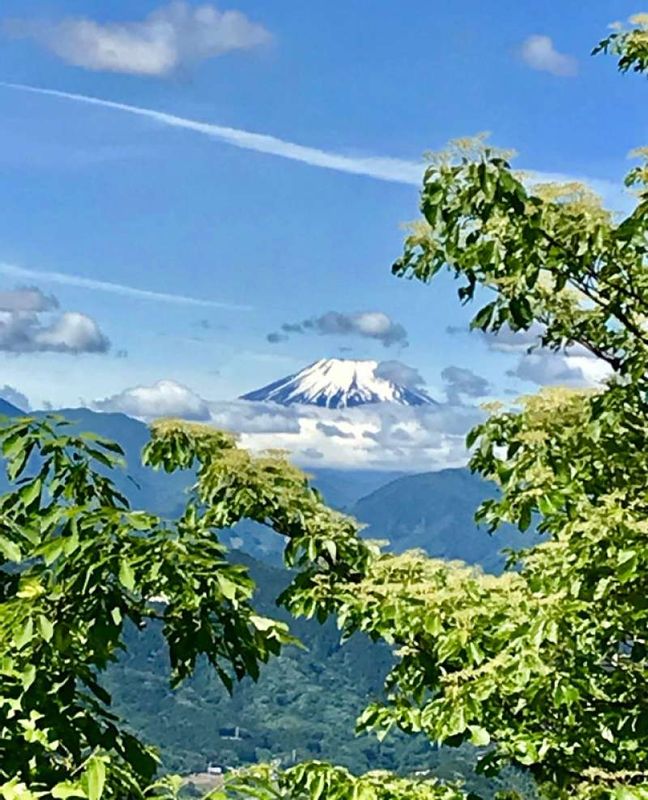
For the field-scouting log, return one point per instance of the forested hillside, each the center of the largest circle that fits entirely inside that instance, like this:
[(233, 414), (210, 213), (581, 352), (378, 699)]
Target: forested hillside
[(304, 705)]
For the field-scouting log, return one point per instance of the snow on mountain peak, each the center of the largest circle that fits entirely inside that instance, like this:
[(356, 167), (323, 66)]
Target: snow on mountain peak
[(339, 383)]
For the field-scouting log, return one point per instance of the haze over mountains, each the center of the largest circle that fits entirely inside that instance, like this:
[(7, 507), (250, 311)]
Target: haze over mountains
[(432, 510)]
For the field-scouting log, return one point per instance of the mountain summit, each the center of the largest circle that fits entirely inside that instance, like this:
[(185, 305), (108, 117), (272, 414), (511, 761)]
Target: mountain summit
[(339, 383)]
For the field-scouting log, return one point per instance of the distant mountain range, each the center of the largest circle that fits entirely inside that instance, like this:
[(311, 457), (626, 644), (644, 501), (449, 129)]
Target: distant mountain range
[(339, 383), (432, 511)]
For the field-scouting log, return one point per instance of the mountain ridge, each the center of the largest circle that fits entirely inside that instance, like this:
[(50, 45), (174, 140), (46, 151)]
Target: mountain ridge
[(434, 511), (8, 409)]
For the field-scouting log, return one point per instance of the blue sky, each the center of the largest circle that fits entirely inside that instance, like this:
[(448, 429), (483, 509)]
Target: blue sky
[(109, 196)]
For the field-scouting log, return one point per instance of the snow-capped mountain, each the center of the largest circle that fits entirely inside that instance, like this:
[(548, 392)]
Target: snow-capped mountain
[(339, 383)]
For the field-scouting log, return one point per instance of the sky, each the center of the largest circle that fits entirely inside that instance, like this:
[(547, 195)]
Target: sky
[(186, 183)]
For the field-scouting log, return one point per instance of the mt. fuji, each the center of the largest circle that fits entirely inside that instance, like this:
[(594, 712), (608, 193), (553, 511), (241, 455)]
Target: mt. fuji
[(339, 383)]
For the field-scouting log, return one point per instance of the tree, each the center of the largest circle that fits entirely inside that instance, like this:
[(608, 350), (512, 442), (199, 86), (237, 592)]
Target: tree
[(546, 667), (77, 564)]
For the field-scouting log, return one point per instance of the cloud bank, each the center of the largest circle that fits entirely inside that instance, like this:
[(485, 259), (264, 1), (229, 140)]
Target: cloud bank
[(575, 366), (375, 436), (169, 38), (365, 324)]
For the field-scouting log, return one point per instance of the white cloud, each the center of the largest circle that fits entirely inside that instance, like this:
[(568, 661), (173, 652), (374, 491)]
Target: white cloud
[(253, 418), (71, 332), (65, 279), (461, 382), (507, 340), (170, 37), (312, 454), (329, 429), (26, 326), (163, 399), (400, 373), (376, 436), (539, 53), (594, 370), (546, 368), (574, 366), (27, 299)]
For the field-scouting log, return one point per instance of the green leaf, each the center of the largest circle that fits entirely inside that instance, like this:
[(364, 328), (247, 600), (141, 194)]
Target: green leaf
[(262, 623), (126, 575), (31, 491), (479, 736), (626, 565), (24, 633), (52, 550), (227, 587), (18, 461), (9, 549), (331, 548), (525, 518), (625, 793), (483, 317), (67, 789), (45, 627), (96, 777)]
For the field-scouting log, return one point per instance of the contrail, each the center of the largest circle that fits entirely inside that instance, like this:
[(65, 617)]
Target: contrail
[(65, 279), (382, 168), (394, 170)]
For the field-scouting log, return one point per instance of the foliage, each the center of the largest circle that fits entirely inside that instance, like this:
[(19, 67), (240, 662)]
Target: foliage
[(630, 45), (84, 578), (303, 707), (315, 780), (559, 684), (78, 564), (306, 700), (547, 663)]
